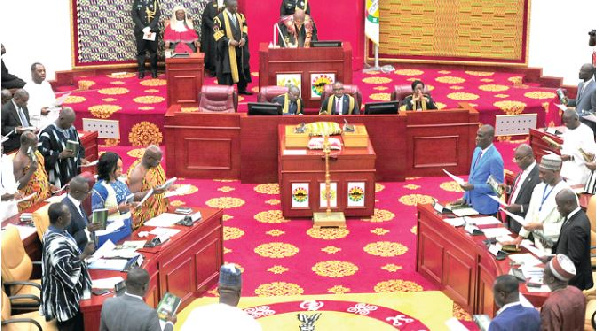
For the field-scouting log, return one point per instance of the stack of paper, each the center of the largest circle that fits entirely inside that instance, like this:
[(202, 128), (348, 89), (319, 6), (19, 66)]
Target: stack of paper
[(181, 190), (164, 219), (106, 283), (455, 222), (495, 232), (112, 264), (482, 220), (464, 211), (164, 233), (524, 259)]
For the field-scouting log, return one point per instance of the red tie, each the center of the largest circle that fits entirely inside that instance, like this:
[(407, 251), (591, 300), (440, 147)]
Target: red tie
[(514, 188)]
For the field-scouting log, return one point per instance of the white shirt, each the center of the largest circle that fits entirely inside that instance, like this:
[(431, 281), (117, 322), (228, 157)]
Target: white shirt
[(512, 304), (575, 171), (40, 96), (8, 185), (522, 179), (544, 211), (233, 19), (220, 317), (584, 86), (573, 213)]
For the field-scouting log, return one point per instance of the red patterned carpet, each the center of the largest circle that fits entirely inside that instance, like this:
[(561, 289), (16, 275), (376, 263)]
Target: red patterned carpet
[(282, 257), (138, 105)]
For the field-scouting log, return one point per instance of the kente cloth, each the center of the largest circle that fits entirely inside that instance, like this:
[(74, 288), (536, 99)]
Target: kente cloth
[(183, 41), (564, 310), (53, 141), (37, 184), (156, 204)]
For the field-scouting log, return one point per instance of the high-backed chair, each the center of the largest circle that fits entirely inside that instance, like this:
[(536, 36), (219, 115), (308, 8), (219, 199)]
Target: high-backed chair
[(402, 91), (351, 89), (268, 93), (41, 220), (16, 269), (27, 321), (591, 214), (218, 99)]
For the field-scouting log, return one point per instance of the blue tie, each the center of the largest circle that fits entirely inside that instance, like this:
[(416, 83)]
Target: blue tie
[(477, 159)]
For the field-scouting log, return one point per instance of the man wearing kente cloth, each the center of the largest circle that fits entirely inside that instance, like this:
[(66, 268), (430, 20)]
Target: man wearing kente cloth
[(290, 101), (418, 100), (233, 57), (30, 174), (339, 103), (288, 7), (208, 45), (146, 14), (296, 30), (144, 175)]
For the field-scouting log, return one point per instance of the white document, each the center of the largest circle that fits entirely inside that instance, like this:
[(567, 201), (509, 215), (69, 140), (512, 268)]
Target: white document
[(482, 220), (164, 232), (112, 264), (498, 200), (464, 211), (167, 184), (455, 222), (543, 289), (26, 198), (524, 259), (145, 197), (294, 152), (495, 232), (590, 117), (459, 180), (106, 283), (534, 250), (99, 253), (112, 226), (179, 191), (89, 164), (164, 219), (150, 36), (561, 106), (532, 272), (517, 218)]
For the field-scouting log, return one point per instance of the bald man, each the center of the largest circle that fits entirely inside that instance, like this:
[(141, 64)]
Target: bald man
[(144, 175), (62, 149), (6, 96), (29, 171), (290, 101), (577, 138)]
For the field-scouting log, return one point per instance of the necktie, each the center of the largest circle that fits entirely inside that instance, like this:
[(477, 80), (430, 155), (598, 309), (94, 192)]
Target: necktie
[(233, 20), (510, 199), (339, 106), (24, 121), (477, 160)]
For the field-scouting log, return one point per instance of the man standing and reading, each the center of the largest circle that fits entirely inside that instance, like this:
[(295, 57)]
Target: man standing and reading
[(129, 311), (61, 148), (233, 56), (144, 175)]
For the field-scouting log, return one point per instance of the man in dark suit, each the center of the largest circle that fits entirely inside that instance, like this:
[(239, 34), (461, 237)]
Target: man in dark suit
[(512, 315), (208, 45), (575, 237), (585, 101), (79, 190), (10, 81), (486, 162), (339, 103), (291, 102), (525, 182), (146, 14), (129, 311), (15, 117)]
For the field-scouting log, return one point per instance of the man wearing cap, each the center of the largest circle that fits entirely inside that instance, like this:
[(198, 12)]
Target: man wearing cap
[(486, 163), (565, 307), (577, 148), (223, 316), (129, 311), (543, 218), (575, 238), (512, 315)]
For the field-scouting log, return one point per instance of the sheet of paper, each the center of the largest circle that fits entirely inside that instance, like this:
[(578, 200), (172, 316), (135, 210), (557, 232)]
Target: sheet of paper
[(482, 220), (561, 106), (495, 232), (179, 191), (106, 283), (164, 219), (517, 218), (459, 180), (164, 232), (498, 200), (150, 36), (137, 244), (112, 264), (464, 211), (294, 152), (168, 183), (543, 289), (526, 259), (89, 164), (99, 253), (145, 197), (26, 198), (534, 250), (590, 117), (455, 222), (532, 272)]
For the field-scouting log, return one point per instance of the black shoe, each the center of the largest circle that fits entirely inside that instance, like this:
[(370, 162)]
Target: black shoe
[(154, 74), (245, 93), (141, 75)]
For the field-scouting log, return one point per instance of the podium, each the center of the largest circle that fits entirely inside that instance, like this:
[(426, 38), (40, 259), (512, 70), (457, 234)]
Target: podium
[(302, 177), (305, 65), (185, 77)]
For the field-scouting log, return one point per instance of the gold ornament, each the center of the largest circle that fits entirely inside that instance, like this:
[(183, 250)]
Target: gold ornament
[(327, 233), (118, 83), (176, 203), (152, 90), (411, 186), (225, 202), (444, 72), (441, 105), (456, 87), (276, 250), (254, 74), (451, 186), (379, 231), (335, 269), (493, 87), (109, 99), (72, 99), (278, 289), (224, 180), (270, 216), (145, 134), (232, 233), (338, 289), (376, 80), (479, 73), (136, 152), (113, 90), (460, 313), (379, 216), (391, 267), (110, 142), (103, 111), (267, 188), (227, 217), (462, 96), (122, 75), (379, 187), (501, 96), (226, 250), (380, 96), (409, 72), (148, 99), (380, 88), (226, 189), (278, 269), (540, 95), (413, 230), (450, 80), (275, 233), (511, 107), (273, 202), (189, 109), (487, 80), (190, 188), (414, 199), (330, 249), (385, 248), (154, 82), (397, 285)]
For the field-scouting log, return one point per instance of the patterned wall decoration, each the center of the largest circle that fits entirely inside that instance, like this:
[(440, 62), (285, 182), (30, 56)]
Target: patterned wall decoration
[(454, 30), (103, 29)]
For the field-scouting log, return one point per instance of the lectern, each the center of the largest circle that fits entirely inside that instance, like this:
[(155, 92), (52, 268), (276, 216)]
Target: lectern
[(185, 76)]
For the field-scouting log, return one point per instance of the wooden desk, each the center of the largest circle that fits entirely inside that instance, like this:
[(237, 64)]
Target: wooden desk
[(540, 146), (349, 165), (187, 265), (89, 141), (305, 61), (185, 77), (461, 264)]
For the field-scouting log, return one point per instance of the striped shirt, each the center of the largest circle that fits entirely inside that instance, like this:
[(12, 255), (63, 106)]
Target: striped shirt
[(53, 140), (64, 277)]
